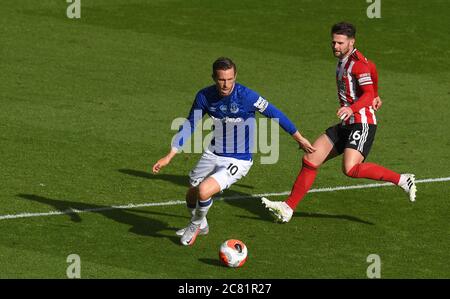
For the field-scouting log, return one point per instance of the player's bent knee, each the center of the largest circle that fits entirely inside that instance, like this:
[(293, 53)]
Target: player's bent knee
[(208, 188), (205, 191), (203, 195), (346, 172), (309, 159), (309, 162), (351, 171), (202, 192)]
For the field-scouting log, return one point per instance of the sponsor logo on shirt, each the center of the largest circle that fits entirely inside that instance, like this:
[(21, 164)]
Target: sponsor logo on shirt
[(228, 119)]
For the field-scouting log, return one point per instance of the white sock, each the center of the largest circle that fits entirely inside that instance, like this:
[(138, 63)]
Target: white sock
[(200, 212), (191, 211)]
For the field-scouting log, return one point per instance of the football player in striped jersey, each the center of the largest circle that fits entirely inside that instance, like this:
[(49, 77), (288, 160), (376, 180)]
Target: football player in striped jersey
[(357, 89)]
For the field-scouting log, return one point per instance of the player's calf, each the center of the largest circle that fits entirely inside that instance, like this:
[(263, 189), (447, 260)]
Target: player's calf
[(372, 171)]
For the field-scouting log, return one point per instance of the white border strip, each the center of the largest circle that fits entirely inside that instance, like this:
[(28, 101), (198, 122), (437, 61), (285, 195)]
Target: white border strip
[(179, 202)]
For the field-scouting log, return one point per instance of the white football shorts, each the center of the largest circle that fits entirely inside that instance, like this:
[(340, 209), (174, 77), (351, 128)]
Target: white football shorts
[(226, 171)]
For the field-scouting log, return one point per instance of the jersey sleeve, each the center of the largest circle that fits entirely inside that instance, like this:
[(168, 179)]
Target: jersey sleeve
[(374, 75), (188, 127), (361, 71), (261, 105)]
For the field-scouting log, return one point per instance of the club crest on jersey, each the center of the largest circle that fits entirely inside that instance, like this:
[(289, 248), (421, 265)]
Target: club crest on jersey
[(223, 108), (234, 108)]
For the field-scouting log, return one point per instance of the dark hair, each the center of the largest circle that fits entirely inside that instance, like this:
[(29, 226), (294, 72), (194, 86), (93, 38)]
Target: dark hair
[(344, 28), (223, 63)]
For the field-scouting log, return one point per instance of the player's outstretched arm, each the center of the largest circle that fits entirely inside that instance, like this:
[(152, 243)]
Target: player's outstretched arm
[(272, 112), (195, 116), (164, 161), (304, 143)]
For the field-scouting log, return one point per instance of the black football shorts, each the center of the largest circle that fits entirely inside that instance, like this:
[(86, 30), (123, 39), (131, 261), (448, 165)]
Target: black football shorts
[(357, 136)]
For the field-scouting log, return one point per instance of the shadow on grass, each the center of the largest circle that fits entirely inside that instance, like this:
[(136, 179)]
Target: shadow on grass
[(213, 262), (318, 215), (140, 225), (331, 216), (242, 200), (180, 180)]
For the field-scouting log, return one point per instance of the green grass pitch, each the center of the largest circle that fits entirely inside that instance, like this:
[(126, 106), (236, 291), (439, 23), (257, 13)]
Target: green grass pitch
[(86, 109)]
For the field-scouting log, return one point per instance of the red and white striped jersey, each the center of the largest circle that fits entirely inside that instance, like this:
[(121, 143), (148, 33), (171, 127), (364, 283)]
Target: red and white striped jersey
[(353, 72)]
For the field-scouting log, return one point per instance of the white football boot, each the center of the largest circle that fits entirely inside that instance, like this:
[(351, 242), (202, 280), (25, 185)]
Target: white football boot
[(190, 234), (408, 183), (204, 229), (281, 211)]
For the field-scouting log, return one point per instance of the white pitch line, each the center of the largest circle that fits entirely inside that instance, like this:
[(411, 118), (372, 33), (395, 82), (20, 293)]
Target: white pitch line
[(179, 202), (75, 211)]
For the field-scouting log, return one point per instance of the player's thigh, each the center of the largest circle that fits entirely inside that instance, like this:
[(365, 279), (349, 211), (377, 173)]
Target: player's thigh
[(324, 151), (230, 170), (331, 155), (205, 166), (351, 158), (358, 145)]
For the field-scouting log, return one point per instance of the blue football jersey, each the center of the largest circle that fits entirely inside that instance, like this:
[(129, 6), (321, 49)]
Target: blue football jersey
[(233, 119)]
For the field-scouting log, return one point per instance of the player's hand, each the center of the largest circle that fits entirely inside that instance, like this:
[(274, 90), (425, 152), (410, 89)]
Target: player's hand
[(344, 113), (160, 164), (164, 161), (376, 104), (306, 146)]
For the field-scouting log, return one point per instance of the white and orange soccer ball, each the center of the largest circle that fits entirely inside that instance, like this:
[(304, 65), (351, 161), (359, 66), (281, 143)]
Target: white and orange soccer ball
[(233, 253)]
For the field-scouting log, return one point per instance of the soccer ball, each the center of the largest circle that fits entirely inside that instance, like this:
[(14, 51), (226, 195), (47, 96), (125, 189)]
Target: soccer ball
[(233, 253)]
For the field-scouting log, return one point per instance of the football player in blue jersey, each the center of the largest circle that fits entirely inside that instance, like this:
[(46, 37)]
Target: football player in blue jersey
[(228, 158)]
